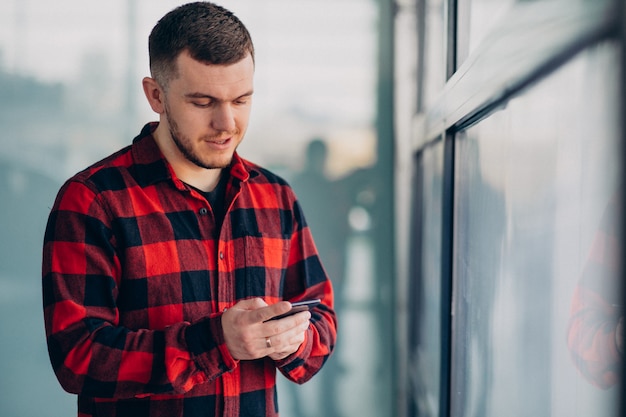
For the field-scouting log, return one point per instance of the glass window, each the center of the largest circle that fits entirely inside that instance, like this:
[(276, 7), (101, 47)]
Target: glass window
[(425, 296), (433, 77), (475, 19), (70, 94), (535, 283)]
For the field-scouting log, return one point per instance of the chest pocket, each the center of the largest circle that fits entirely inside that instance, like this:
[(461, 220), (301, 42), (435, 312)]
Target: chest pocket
[(260, 264)]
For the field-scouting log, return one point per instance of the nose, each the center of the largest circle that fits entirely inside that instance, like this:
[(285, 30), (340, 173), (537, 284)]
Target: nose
[(223, 118)]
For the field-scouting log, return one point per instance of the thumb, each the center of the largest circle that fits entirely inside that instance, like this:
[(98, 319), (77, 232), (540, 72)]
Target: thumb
[(250, 304)]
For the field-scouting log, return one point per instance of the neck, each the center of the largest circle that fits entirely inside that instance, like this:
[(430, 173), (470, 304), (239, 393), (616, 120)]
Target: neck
[(207, 181)]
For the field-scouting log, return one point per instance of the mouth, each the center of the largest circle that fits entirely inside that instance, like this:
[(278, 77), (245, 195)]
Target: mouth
[(219, 139), (218, 144)]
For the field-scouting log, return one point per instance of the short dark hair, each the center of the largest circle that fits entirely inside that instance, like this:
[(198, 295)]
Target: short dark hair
[(210, 33)]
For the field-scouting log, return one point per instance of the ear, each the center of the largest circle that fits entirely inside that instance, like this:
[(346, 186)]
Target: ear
[(154, 94)]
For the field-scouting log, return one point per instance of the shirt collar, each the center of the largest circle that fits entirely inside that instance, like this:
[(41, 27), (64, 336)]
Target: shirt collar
[(152, 167)]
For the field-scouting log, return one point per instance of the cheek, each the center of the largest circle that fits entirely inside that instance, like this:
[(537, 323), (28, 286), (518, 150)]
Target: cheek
[(242, 119), (190, 121)]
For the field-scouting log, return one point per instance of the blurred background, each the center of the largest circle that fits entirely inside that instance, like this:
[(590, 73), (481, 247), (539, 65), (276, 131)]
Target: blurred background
[(460, 163)]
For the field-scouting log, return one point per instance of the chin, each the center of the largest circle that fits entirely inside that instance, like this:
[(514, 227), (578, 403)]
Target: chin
[(218, 164)]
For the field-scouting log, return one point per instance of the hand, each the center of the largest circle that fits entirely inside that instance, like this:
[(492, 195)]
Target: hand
[(246, 330)]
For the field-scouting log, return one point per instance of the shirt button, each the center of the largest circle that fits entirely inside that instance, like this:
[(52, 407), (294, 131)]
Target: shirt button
[(221, 255), (203, 211)]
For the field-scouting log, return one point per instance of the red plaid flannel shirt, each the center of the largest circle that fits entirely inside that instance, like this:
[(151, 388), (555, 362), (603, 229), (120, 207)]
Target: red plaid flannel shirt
[(136, 277), (596, 306)]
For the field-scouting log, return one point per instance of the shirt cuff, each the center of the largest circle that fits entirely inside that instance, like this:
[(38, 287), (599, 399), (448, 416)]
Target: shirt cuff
[(205, 341)]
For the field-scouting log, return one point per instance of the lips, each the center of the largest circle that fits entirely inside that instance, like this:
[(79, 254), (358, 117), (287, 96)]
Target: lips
[(219, 144), (219, 139)]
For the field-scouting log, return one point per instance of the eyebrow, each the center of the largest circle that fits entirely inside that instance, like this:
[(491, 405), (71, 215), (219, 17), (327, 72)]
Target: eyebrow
[(207, 96)]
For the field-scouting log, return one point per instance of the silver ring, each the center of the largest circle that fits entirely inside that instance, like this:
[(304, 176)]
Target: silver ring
[(268, 342)]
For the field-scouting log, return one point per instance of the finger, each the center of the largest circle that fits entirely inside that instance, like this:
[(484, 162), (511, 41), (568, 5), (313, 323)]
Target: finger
[(248, 308), (299, 319), (250, 304), (268, 343), (281, 341), (286, 338), (284, 330), (286, 350), (264, 314), (303, 317)]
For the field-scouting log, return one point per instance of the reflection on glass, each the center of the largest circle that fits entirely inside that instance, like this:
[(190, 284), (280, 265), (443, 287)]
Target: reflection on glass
[(425, 300), (476, 18), (536, 302), (477, 278), (596, 328)]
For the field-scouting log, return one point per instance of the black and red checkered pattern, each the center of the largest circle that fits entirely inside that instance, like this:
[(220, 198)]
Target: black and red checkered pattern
[(136, 276)]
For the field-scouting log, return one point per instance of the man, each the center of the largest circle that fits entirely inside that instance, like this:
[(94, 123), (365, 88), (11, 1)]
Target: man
[(164, 262)]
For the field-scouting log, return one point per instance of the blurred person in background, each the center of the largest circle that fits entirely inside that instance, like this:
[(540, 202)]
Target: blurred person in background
[(328, 203), (163, 263)]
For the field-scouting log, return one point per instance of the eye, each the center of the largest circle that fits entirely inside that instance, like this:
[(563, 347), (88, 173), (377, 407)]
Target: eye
[(202, 105), (242, 101)]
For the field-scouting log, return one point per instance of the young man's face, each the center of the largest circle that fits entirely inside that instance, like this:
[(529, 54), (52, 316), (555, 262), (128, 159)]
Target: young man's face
[(207, 108)]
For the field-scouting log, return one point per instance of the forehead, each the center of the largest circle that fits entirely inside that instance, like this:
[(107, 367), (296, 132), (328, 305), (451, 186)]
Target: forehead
[(215, 80)]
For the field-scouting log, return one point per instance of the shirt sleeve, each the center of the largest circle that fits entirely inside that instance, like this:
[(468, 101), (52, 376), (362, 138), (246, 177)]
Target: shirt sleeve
[(91, 352), (305, 272)]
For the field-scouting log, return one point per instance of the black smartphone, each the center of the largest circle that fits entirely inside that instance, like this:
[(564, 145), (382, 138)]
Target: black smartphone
[(297, 307)]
